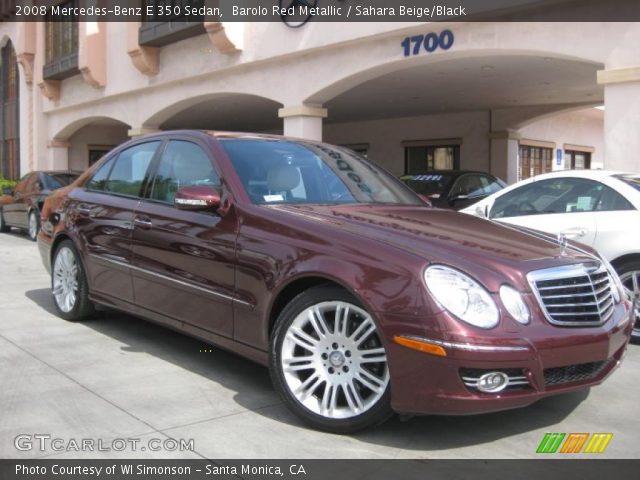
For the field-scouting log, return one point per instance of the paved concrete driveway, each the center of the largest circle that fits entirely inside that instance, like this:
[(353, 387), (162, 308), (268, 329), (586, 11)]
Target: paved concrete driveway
[(117, 378)]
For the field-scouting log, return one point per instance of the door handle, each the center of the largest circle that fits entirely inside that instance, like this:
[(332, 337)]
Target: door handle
[(142, 222), (85, 209)]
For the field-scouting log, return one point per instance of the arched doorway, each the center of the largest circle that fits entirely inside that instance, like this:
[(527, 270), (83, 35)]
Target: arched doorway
[(9, 114)]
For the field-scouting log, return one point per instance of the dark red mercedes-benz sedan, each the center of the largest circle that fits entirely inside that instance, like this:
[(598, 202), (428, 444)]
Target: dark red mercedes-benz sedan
[(306, 257)]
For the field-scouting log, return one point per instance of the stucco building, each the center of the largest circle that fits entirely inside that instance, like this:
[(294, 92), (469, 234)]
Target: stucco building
[(507, 97)]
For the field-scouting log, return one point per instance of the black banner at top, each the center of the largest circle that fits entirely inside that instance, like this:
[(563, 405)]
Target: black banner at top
[(297, 13)]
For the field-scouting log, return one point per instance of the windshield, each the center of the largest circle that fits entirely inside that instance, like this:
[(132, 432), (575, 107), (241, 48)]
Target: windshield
[(431, 185), (59, 180), (287, 171), (632, 180)]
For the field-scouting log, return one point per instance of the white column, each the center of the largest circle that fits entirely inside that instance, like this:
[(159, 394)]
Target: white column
[(58, 155), (621, 118), (504, 154), (303, 121)]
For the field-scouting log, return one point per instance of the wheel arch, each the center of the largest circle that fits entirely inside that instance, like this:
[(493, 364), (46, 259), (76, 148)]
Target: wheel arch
[(298, 285), (629, 257), (61, 237)]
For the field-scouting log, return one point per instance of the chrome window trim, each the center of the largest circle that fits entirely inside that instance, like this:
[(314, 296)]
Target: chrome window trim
[(165, 277)]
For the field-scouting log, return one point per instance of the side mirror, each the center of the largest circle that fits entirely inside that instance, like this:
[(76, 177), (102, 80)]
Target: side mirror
[(458, 198), (197, 198), (482, 211)]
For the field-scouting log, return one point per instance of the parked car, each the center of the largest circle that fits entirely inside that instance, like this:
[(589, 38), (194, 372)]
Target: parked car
[(20, 207), (309, 259), (453, 189), (596, 207)]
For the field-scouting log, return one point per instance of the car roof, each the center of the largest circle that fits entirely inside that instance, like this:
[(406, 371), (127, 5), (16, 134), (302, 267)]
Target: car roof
[(589, 174)]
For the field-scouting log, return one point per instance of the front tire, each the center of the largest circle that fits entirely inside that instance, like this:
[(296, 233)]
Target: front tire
[(34, 225), (69, 284), (629, 273), (328, 363)]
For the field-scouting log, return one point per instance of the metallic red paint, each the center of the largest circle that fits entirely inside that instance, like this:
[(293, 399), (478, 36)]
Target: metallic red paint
[(219, 277)]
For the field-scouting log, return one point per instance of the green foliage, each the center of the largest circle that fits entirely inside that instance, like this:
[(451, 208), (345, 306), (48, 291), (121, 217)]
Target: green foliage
[(4, 183)]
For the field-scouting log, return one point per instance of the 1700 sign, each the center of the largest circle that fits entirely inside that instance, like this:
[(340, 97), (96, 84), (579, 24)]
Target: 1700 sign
[(429, 42)]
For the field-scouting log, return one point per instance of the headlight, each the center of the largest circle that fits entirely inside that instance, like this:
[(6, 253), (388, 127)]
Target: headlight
[(462, 296), (614, 280), (514, 303)]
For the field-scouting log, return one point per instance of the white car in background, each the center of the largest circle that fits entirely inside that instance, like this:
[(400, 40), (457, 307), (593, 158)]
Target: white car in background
[(597, 207)]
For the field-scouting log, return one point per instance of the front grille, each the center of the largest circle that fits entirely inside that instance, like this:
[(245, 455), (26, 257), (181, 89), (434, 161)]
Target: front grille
[(573, 373), (517, 378), (574, 295)]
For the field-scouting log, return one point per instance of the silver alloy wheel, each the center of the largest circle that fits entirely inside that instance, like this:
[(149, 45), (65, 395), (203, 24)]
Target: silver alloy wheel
[(631, 281), (65, 279), (33, 226), (333, 361)]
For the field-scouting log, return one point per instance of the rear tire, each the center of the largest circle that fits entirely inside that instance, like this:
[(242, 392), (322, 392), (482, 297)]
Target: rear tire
[(69, 284), (629, 273), (4, 228), (328, 362), (34, 225)]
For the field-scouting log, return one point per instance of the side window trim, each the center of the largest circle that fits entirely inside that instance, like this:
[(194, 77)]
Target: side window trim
[(111, 161), (147, 183), (155, 166), (152, 170), (114, 159)]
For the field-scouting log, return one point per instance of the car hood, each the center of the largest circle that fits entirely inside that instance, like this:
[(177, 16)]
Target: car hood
[(443, 236)]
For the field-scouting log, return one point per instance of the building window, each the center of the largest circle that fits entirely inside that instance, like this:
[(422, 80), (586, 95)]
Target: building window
[(576, 160), (61, 45), (168, 23), (96, 152), (9, 114), (534, 161), (418, 159)]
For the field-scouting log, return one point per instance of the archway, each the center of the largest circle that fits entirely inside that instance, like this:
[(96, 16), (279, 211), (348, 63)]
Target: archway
[(88, 139), (462, 103), (220, 111)]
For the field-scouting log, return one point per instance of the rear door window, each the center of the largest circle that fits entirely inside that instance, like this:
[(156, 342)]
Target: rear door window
[(125, 175)]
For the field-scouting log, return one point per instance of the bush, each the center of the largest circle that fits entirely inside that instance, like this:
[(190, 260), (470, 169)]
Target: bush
[(4, 183)]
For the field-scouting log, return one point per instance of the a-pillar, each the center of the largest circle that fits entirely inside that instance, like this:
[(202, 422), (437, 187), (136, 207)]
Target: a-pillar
[(58, 155), (504, 154), (303, 121), (621, 118)]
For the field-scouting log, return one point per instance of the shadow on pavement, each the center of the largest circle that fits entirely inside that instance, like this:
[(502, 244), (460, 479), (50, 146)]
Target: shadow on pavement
[(428, 433), (19, 234)]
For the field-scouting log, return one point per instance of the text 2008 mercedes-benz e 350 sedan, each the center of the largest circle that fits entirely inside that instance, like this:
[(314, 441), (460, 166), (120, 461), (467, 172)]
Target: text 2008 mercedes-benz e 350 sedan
[(311, 260)]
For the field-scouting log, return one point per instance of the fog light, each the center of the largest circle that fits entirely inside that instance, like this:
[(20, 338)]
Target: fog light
[(493, 382)]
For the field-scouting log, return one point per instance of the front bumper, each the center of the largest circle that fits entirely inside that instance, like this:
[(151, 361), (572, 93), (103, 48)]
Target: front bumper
[(552, 360)]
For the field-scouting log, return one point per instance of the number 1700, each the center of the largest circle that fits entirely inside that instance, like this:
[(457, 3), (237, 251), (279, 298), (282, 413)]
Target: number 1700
[(430, 42)]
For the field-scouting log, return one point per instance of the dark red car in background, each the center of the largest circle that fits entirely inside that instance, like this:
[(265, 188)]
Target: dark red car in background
[(309, 259), (20, 207)]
